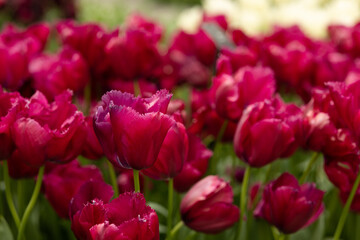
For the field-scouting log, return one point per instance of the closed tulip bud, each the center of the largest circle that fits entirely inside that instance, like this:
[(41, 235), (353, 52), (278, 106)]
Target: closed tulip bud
[(124, 122), (208, 208), (263, 134), (289, 206)]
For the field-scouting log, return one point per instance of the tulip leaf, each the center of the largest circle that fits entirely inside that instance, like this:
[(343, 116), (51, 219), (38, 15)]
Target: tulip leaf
[(158, 208), (5, 231)]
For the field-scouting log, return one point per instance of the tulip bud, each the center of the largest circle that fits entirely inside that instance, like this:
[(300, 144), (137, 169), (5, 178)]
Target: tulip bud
[(208, 208), (263, 134), (289, 206)]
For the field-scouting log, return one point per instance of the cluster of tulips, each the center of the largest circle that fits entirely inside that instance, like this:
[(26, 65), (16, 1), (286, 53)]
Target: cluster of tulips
[(106, 96)]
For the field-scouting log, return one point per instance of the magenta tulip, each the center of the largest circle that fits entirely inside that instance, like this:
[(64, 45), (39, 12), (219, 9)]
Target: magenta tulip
[(124, 123), (208, 208), (289, 206)]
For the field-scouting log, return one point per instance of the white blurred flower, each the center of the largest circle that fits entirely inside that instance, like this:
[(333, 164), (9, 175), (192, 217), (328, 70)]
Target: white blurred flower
[(190, 19)]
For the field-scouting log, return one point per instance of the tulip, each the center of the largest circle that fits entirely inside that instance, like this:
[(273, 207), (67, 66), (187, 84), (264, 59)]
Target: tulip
[(46, 131), (124, 122), (10, 105), (54, 74), (89, 40), (16, 49), (126, 217), (247, 86), (208, 208), (264, 134), (172, 155), (63, 181), (289, 206), (195, 164)]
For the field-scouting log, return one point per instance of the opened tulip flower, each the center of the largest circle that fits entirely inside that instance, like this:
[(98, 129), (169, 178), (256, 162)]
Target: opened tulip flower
[(46, 131), (131, 129), (208, 208), (247, 86), (125, 217), (289, 206)]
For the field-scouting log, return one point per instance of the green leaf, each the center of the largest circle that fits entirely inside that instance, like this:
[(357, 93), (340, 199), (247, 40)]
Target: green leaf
[(5, 231)]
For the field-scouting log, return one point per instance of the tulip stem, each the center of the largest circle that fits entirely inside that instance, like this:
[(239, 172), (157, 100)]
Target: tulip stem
[(309, 166), (87, 98), (345, 211), (32, 203), (170, 206), (243, 195), (175, 229), (217, 141), (137, 91), (113, 178), (136, 180), (9, 196)]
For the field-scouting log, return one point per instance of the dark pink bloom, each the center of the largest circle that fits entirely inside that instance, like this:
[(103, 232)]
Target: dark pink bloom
[(289, 206), (231, 60), (147, 88), (142, 55), (46, 131), (53, 74), (126, 217), (247, 86), (195, 165), (131, 129), (138, 22), (264, 134), (10, 105), (172, 155), (208, 208), (16, 50), (64, 180), (89, 40)]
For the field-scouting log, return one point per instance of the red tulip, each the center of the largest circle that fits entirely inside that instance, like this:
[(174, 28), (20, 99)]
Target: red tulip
[(208, 208), (64, 180), (289, 206), (54, 74), (16, 49), (126, 217), (263, 134), (247, 86), (10, 105), (92, 148), (124, 122)]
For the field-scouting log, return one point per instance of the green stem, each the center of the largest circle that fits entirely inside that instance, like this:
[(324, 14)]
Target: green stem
[(136, 180), (137, 91), (345, 211), (243, 196), (309, 166), (8, 195), (31, 204), (87, 98), (175, 230), (113, 178), (170, 206), (217, 141)]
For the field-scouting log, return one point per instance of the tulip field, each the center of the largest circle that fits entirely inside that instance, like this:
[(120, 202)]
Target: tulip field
[(137, 128)]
